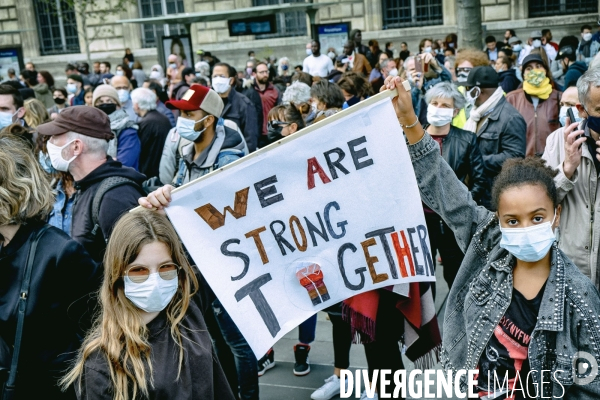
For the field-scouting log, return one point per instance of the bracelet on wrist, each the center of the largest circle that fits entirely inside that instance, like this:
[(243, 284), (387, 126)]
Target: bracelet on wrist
[(408, 126)]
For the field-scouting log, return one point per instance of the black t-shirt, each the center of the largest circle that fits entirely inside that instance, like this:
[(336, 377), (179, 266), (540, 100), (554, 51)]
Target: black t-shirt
[(506, 353)]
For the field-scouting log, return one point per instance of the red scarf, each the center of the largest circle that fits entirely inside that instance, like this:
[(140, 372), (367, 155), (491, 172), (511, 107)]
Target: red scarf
[(421, 331)]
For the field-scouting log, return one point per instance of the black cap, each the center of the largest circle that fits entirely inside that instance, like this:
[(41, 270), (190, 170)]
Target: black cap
[(484, 77), (566, 52), (532, 57)]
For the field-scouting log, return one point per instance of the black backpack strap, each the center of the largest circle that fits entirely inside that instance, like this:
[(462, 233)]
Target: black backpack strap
[(106, 185), (23, 296)]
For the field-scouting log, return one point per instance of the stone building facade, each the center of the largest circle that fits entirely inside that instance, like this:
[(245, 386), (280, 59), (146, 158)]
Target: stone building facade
[(26, 24)]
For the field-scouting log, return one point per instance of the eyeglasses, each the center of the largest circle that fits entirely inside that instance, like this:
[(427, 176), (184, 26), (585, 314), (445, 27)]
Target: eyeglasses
[(276, 124), (139, 274), (464, 69)]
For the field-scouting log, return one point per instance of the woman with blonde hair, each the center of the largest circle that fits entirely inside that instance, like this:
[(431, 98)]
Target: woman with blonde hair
[(42, 273), (36, 113), (150, 339)]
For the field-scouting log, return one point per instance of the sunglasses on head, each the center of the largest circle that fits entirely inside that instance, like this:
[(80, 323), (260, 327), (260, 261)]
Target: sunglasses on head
[(139, 274), (276, 124)]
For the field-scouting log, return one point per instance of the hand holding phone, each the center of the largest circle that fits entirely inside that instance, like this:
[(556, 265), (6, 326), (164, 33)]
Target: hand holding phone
[(419, 64)]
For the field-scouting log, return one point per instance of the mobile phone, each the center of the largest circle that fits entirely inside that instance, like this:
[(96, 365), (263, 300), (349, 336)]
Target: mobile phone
[(419, 64), (572, 119), (570, 115)]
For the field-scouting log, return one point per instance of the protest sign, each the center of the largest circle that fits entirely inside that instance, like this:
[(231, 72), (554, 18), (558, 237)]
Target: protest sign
[(327, 213)]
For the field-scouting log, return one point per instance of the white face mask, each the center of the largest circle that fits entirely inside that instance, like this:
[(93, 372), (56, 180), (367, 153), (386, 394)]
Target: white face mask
[(427, 49), (173, 66), (587, 36), (55, 154), (220, 84), (437, 116), (120, 72), (472, 98), (152, 295), (562, 116), (537, 43), (393, 72), (155, 75), (529, 244), (185, 128), (309, 52)]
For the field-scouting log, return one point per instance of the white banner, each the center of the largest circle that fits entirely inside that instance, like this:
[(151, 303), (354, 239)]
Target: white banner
[(325, 214)]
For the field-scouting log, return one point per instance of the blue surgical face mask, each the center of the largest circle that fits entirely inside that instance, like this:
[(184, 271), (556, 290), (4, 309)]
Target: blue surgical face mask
[(185, 128), (529, 244), (6, 119), (517, 48), (71, 88), (46, 164), (123, 95), (562, 115)]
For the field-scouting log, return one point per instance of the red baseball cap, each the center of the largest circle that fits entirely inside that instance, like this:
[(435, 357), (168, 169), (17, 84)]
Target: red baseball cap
[(198, 97)]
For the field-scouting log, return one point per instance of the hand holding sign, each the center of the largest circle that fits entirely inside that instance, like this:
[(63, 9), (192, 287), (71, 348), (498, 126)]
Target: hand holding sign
[(157, 200)]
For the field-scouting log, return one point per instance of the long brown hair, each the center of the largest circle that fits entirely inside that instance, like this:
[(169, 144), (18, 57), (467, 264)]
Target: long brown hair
[(119, 332)]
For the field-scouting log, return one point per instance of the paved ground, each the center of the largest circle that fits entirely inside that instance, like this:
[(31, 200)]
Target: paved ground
[(279, 383)]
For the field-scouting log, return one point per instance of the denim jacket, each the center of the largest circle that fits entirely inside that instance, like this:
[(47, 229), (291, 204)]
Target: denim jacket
[(61, 214), (568, 320)]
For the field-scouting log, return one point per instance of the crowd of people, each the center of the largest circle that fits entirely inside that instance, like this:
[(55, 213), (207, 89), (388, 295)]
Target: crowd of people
[(104, 304)]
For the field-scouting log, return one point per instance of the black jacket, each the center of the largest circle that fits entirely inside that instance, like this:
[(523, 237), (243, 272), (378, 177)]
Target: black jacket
[(153, 131), (240, 110), (501, 136), (62, 273), (461, 152), (254, 97), (114, 204), (509, 80)]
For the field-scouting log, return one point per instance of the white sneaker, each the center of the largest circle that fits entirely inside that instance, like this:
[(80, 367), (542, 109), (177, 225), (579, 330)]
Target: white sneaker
[(364, 396), (328, 390)]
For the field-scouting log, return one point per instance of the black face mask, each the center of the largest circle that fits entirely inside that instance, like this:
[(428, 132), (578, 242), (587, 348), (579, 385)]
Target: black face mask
[(59, 101), (274, 133), (107, 108)]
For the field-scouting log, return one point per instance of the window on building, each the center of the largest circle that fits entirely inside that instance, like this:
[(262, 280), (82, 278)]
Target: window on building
[(157, 8), (543, 8), (57, 27), (289, 23), (406, 13)]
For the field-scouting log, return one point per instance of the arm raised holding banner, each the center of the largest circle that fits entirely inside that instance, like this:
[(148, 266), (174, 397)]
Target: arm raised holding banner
[(440, 188)]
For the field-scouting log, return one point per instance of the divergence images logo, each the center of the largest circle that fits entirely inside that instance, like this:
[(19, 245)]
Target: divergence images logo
[(311, 277), (585, 368)]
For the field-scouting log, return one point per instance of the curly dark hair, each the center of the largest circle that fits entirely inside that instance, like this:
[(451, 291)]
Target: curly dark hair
[(525, 171)]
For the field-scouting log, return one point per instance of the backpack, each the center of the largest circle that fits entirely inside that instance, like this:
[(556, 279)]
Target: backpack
[(106, 185)]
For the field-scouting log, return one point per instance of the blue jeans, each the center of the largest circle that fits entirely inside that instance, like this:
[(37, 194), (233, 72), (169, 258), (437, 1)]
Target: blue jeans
[(306, 330), (245, 361)]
